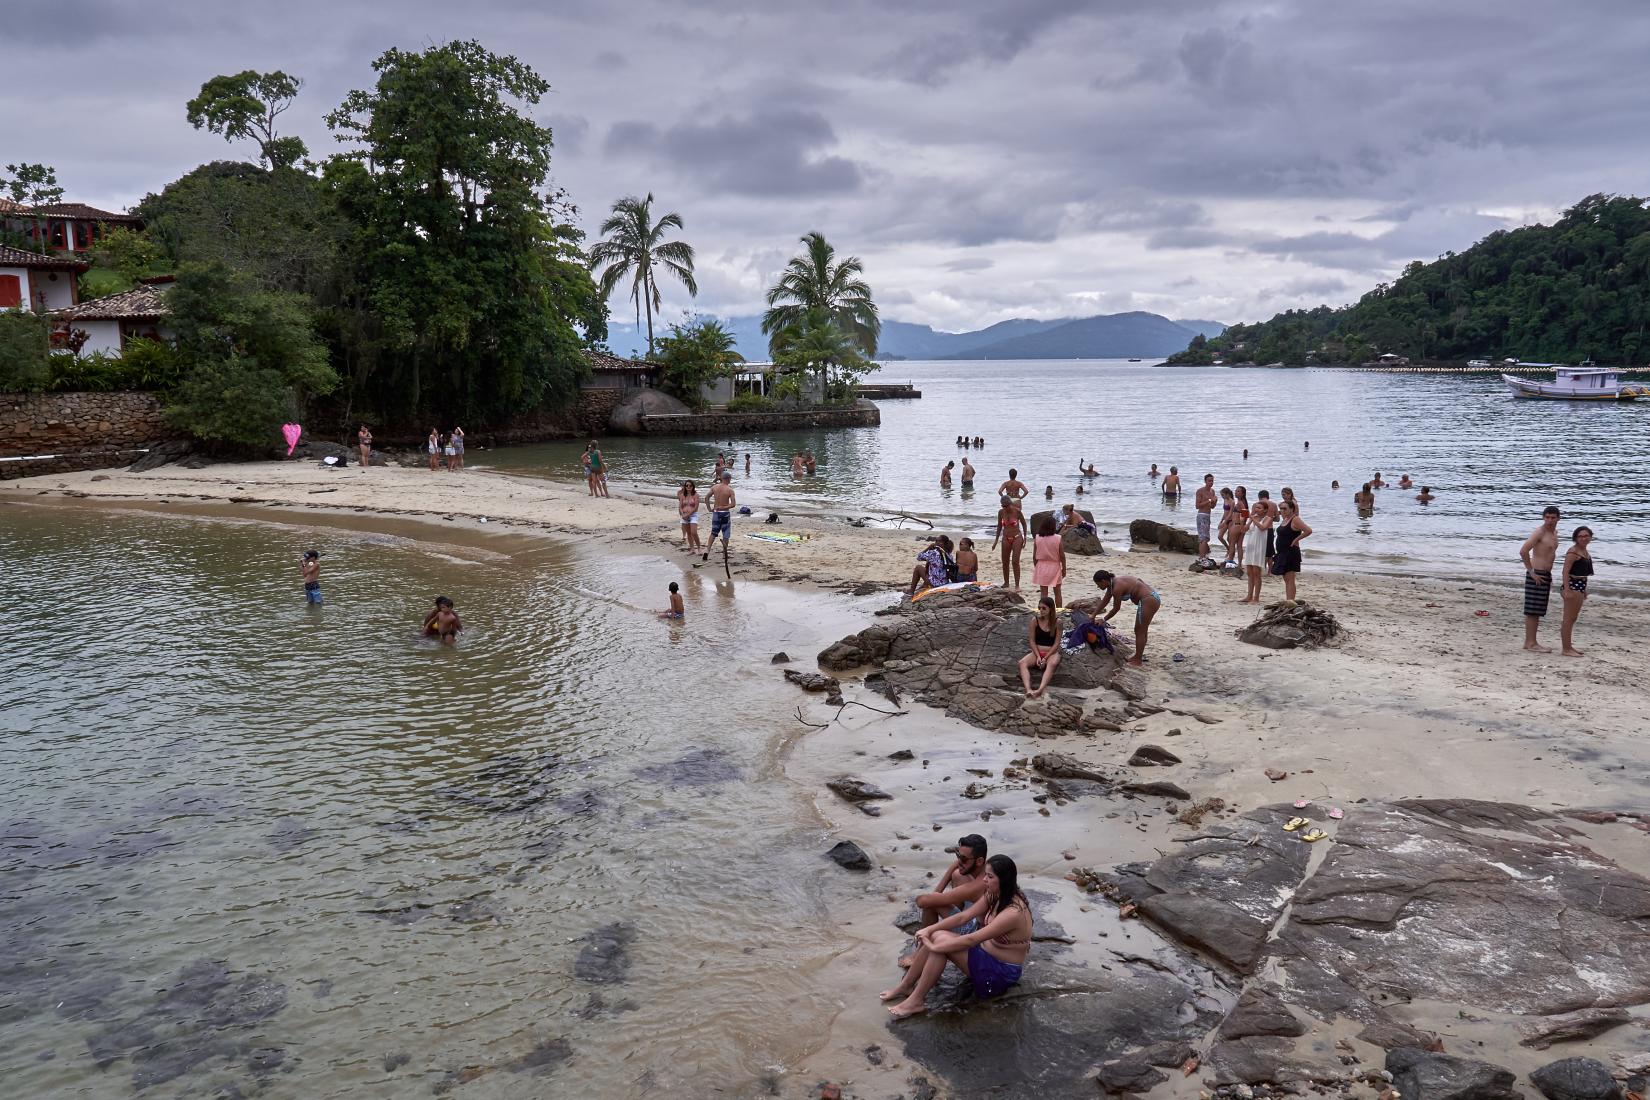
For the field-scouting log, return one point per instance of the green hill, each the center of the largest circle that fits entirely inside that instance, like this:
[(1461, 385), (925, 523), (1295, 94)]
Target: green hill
[(1577, 289)]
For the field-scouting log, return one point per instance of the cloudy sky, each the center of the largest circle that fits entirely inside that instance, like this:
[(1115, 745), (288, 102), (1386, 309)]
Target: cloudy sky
[(1216, 159)]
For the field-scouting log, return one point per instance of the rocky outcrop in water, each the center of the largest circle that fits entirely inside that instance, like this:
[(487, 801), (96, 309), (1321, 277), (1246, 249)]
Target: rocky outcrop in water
[(958, 651), (1149, 532)]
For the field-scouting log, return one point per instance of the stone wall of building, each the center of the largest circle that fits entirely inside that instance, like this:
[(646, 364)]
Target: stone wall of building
[(861, 414), (45, 433)]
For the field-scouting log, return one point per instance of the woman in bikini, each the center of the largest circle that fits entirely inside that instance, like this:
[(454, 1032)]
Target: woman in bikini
[(993, 956), (1239, 527), (1147, 601), (363, 440), (687, 506), (1011, 532), (1043, 640), (1578, 566)]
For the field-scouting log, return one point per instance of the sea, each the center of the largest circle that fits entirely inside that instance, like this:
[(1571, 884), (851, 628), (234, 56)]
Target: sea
[(1492, 462), (250, 847)]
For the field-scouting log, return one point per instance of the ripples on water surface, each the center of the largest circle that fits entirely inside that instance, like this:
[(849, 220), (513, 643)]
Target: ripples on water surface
[(1494, 462), (243, 841)]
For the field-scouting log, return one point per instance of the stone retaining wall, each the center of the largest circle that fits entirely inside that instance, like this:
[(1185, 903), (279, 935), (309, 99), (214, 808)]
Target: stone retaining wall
[(861, 414), (77, 431)]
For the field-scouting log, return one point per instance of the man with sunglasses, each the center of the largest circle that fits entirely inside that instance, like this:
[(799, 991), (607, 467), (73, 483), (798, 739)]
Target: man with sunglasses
[(960, 886)]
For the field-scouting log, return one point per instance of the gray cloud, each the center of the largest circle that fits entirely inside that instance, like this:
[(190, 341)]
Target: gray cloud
[(1217, 158)]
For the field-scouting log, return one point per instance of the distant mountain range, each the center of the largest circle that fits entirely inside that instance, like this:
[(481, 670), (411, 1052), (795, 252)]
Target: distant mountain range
[(1107, 336)]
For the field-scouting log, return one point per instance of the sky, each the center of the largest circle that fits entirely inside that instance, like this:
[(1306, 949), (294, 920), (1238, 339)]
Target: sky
[(985, 159)]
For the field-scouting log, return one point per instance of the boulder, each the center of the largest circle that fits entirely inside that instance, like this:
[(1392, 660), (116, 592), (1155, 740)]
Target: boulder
[(1576, 1079), (636, 403), (812, 681), (1132, 1074), (1152, 756), (160, 454), (1161, 787), (1260, 1011), (1081, 543), (1163, 536), (1059, 765), (852, 789), (1425, 1075), (850, 856), (1569, 1027)]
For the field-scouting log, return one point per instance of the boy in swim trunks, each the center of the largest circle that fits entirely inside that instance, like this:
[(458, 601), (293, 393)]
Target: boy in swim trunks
[(722, 502), (677, 610), (442, 622), (312, 575)]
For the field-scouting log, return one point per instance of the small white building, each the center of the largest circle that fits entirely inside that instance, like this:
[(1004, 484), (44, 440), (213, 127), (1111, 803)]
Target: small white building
[(42, 283), (112, 321)]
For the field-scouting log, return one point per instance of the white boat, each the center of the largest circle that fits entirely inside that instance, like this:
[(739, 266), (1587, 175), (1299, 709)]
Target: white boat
[(1478, 364), (1576, 384)]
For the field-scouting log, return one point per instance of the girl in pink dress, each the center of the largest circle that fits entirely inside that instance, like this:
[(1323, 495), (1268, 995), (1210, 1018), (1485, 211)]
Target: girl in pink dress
[(1048, 560)]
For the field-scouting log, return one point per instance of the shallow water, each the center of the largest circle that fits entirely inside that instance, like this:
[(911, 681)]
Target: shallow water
[(1493, 462), (246, 842)]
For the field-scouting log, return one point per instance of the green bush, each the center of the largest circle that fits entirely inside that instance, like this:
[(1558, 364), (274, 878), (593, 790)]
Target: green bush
[(748, 402), (145, 365), (23, 343)]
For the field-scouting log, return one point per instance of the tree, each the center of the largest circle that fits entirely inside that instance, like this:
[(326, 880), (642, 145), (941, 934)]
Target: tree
[(246, 105), (32, 185), (458, 287), (631, 245), (814, 281), (249, 357), (818, 343), (24, 337), (696, 351)]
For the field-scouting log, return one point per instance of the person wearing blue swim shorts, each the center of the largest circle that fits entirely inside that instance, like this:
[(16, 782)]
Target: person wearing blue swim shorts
[(993, 955), (722, 502)]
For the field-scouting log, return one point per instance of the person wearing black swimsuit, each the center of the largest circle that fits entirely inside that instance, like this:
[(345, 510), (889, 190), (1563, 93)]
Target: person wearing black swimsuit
[(1043, 638), (1287, 561), (1578, 566)]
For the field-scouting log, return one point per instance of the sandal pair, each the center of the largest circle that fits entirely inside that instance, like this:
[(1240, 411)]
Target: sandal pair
[(1310, 836)]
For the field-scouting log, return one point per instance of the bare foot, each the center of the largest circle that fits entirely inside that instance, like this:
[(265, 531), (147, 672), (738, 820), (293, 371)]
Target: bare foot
[(896, 993), (903, 1010), (1135, 662), (1534, 647), (1574, 653)]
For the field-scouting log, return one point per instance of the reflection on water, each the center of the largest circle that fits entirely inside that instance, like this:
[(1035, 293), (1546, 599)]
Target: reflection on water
[(246, 841), (1493, 462)]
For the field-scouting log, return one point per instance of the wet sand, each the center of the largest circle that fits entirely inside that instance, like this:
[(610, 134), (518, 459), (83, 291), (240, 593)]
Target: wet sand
[(1422, 698)]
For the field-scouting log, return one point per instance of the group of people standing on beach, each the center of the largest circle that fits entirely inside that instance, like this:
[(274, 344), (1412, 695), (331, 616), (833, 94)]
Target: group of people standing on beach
[(1258, 538)]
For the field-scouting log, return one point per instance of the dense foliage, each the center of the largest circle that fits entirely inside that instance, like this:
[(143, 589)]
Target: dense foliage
[(695, 351), (1577, 289), (463, 289), (246, 105), (817, 343), (23, 350), (248, 357)]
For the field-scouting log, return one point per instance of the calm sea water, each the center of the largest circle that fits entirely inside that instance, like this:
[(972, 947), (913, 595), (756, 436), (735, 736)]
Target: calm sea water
[(246, 844), (1493, 462)]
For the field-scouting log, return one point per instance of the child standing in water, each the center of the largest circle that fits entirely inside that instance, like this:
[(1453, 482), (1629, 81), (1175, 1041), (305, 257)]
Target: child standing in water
[(443, 622), (677, 610), (311, 571)]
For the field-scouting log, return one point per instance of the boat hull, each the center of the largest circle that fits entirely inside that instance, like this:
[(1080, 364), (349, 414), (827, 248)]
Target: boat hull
[(1547, 391)]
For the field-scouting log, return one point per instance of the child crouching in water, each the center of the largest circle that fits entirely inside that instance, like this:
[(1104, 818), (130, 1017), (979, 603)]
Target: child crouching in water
[(968, 562), (442, 622), (677, 610)]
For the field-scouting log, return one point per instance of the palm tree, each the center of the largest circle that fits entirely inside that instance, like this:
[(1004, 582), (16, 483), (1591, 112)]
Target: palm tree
[(632, 244), (813, 281)]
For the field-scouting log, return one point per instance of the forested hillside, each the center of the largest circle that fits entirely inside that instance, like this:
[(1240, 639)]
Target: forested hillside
[(1577, 289)]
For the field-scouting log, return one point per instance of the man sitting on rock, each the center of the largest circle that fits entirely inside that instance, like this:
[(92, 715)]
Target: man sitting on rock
[(960, 886)]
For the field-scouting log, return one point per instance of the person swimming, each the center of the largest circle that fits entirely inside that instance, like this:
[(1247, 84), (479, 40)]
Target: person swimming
[(442, 622)]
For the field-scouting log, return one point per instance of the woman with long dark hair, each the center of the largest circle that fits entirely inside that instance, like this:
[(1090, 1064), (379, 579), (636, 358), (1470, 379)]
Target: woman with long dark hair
[(1011, 531), (687, 506), (1578, 566), (1048, 559), (1043, 639), (993, 955)]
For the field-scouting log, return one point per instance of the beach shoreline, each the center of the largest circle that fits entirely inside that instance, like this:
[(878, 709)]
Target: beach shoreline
[(1424, 697)]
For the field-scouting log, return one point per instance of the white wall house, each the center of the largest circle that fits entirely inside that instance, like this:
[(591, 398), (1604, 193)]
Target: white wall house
[(43, 284), (109, 323)]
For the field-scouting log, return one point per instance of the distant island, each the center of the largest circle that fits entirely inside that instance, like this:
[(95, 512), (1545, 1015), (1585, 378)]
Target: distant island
[(1575, 290), (1107, 336)]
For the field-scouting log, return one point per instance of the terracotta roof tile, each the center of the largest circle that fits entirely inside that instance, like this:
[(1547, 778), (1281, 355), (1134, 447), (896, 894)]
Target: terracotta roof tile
[(77, 210), (141, 302), (603, 361), (22, 257)]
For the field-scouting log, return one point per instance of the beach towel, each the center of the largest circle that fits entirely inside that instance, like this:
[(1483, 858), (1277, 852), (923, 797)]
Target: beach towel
[(292, 433), (789, 537), (956, 586), (1089, 632)]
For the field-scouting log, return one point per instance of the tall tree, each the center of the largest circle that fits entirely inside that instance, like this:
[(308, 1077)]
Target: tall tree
[(32, 185), (632, 245), (816, 282), (460, 276), (246, 105)]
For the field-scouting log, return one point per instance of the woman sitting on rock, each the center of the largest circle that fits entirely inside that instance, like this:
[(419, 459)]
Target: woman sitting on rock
[(1043, 637), (993, 956), (934, 565)]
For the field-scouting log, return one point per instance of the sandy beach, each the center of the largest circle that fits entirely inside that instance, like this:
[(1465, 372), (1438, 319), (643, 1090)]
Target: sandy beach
[(1422, 697)]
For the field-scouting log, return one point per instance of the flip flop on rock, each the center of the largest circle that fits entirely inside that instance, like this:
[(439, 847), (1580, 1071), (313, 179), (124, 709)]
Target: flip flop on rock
[(1295, 823), (1302, 803), (1336, 812), (1315, 834)]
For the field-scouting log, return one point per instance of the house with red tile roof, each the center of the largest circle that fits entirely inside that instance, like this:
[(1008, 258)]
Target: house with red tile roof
[(63, 226), (110, 322), (42, 283)]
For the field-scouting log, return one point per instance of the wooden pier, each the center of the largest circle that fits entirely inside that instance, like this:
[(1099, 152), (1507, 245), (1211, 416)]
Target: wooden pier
[(888, 391)]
